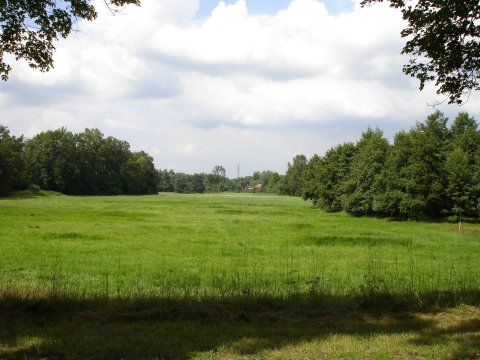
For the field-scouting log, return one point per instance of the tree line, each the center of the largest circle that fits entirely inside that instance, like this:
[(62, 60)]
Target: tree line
[(86, 163), (217, 181), (428, 172)]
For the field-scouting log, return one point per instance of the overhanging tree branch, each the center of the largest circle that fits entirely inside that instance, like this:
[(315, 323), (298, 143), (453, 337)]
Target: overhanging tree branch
[(29, 28), (443, 38)]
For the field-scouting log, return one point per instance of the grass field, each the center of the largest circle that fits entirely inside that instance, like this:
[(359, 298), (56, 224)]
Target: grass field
[(231, 276)]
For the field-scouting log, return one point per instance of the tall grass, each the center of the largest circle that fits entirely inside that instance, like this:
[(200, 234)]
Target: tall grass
[(223, 247)]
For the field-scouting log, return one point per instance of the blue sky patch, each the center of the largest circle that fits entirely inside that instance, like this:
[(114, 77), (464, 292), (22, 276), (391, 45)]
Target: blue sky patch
[(272, 6)]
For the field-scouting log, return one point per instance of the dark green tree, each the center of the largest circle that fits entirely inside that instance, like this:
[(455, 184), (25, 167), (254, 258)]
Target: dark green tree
[(51, 161), (461, 183), (326, 187), (310, 179), (466, 136), (196, 183), (91, 162), (392, 183), (274, 182), (219, 170), (181, 183), (166, 180), (292, 182), (216, 181), (30, 28), (11, 162), (139, 175), (463, 123), (477, 177), (415, 174), (242, 183), (115, 154), (362, 185), (262, 178), (84, 163), (443, 43), (462, 165)]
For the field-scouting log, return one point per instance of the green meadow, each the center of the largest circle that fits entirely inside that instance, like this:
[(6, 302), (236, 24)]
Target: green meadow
[(231, 276)]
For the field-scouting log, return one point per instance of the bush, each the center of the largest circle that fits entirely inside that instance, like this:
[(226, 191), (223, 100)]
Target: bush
[(34, 189)]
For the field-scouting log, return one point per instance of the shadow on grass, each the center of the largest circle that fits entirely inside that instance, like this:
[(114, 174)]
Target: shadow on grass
[(57, 327)]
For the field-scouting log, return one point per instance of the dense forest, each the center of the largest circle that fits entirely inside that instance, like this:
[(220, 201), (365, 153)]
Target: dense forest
[(430, 171), (216, 181), (80, 164), (90, 164)]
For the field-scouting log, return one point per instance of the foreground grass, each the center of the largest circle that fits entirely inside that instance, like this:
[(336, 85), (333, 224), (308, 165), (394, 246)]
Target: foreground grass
[(126, 330), (231, 276), (225, 245)]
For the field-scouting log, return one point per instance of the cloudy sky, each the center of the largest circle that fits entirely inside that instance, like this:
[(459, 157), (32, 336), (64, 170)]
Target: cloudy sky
[(199, 83)]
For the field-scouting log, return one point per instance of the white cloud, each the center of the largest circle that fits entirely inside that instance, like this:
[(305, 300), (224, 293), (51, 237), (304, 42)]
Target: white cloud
[(189, 149), (300, 65), (232, 88)]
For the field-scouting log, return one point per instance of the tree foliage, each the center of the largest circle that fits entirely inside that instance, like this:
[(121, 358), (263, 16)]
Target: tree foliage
[(361, 185), (217, 180), (461, 182), (292, 182), (274, 183), (165, 180), (443, 41), (429, 171), (463, 166), (269, 181), (52, 161), (170, 181), (138, 174), (324, 177), (30, 28), (85, 163), (421, 176), (11, 161)]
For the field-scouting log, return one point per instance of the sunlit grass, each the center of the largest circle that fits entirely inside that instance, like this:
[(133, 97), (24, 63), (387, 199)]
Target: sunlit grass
[(231, 276), (225, 245)]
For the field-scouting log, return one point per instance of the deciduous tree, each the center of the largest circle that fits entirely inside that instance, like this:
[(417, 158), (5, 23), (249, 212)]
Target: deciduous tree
[(292, 182), (325, 187), (361, 186), (30, 28), (443, 42), (461, 183), (462, 165), (11, 161), (139, 175), (51, 160)]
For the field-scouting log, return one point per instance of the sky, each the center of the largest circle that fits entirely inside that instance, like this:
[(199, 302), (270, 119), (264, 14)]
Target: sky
[(199, 83)]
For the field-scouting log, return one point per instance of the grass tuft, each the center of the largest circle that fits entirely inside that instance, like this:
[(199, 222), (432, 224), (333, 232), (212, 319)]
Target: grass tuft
[(231, 276)]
